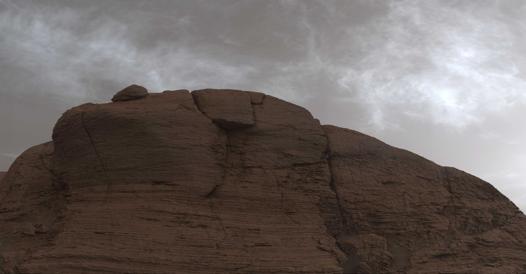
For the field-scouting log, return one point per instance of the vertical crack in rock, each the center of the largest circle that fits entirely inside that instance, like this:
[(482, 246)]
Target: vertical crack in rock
[(92, 143), (344, 226), (219, 220), (62, 197), (97, 154), (447, 208), (443, 177), (341, 226), (279, 186), (252, 104), (213, 191), (226, 167), (197, 107), (57, 180), (227, 164), (334, 188)]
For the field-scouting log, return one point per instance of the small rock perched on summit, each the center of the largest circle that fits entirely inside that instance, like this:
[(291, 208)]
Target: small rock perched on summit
[(132, 92)]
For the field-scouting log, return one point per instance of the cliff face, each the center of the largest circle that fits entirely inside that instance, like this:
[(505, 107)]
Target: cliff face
[(223, 181)]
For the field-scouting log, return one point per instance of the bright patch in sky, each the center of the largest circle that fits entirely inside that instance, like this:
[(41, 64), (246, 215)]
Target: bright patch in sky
[(438, 61)]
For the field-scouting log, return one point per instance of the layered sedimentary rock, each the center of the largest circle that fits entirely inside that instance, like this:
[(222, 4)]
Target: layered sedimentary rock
[(405, 214), (225, 181)]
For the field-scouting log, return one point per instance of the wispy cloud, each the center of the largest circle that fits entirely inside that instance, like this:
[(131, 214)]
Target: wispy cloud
[(9, 155), (446, 63), (45, 41)]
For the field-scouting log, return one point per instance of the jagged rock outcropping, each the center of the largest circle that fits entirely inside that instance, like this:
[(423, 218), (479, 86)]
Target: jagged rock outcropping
[(224, 181)]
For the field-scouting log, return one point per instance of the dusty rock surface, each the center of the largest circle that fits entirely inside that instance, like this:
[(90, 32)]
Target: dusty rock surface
[(2, 175), (224, 181)]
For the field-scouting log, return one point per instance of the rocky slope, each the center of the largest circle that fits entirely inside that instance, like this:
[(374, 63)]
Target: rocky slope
[(223, 181)]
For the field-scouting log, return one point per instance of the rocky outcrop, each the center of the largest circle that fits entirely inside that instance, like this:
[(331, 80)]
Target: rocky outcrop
[(224, 181), (2, 175), (31, 208), (405, 214)]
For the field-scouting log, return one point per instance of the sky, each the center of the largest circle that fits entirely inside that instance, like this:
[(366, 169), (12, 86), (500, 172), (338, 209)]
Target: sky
[(444, 79)]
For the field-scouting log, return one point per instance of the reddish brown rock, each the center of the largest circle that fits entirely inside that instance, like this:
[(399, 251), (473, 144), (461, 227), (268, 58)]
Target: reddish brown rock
[(229, 109), (405, 214), (132, 92), (222, 181), (31, 198), (2, 175)]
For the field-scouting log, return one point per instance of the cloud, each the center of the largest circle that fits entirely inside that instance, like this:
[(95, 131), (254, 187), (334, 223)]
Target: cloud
[(443, 62), (45, 44), (446, 62), (9, 155)]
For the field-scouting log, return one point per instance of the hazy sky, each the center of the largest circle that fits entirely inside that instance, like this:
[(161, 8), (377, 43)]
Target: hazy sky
[(444, 79)]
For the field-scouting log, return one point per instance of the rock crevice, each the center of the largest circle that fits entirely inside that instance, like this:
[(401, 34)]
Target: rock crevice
[(92, 143), (228, 109)]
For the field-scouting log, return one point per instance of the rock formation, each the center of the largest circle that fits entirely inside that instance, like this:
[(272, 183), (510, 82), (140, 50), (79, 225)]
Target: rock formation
[(224, 181)]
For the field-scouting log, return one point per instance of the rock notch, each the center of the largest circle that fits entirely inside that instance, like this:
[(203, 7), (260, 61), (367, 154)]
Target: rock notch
[(229, 109), (225, 181)]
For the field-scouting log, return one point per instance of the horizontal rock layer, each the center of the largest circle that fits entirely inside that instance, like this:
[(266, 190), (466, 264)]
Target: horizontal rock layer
[(225, 181)]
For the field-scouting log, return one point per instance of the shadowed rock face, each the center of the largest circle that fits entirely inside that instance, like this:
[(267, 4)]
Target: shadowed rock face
[(224, 181)]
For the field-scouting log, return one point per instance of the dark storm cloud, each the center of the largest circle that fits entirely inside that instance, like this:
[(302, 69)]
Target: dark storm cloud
[(442, 78)]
